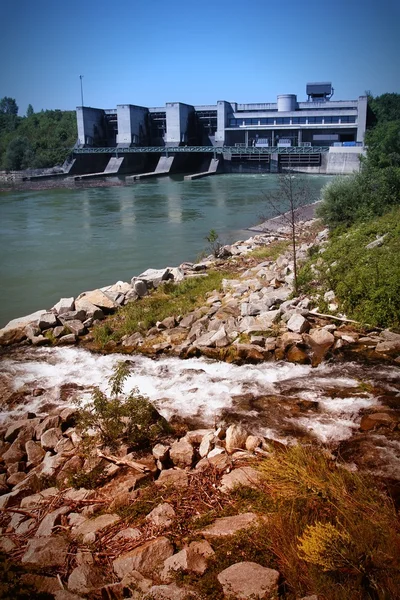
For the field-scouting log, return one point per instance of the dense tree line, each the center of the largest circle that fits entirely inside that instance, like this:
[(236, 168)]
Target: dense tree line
[(37, 140), (376, 188)]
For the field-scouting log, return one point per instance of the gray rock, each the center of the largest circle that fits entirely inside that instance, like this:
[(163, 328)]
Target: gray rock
[(14, 331), (241, 477), (182, 453), (236, 437), (91, 311), (148, 559), (46, 551), (160, 452), (139, 287), (94, 525), (76, 327), (99, 299), (153, 277), (248, 580), (84, 578), (45, 528), (170, 592), (68, 339), (229, 525), (47, 321), (50, 438), (47, 423), (173, 478), (73, 315), (192, 559), (64, 305), (162, 516), (298, 324)]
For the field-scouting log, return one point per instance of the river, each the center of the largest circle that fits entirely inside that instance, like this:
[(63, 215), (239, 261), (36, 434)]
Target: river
[(60, 242)]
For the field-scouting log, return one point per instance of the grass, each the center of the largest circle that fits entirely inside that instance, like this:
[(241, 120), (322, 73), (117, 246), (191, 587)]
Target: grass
[(271, 251), (365, 281), (169, 299), (327, 531)]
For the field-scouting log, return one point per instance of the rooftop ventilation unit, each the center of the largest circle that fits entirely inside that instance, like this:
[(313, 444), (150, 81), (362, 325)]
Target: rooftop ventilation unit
[(319, 92)]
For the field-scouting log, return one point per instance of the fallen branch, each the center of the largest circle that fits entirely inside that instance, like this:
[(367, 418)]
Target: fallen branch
[(123, 462), (20, 511), (342, 319)]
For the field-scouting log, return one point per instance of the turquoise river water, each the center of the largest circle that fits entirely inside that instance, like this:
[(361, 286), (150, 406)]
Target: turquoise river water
[(60, 242)]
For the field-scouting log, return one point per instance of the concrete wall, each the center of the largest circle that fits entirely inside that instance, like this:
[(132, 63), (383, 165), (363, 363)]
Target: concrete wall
[(132, 125), (224, 110), (343, 161), (178, 122), (90, 123), (362, 118)]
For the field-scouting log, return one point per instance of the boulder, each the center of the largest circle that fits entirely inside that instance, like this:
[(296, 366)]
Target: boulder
[(47, 423), (130, 533), (139, 287), (241, 477), (99, 299), (84, 578), (253, 442), (14, 429), (45, 528), (182, 453), (47, 321), (236, 437), (92, 526), (90, 310), (75, 327), (298, 324), (229, 525), (50, 438), (46, 551), (297, 355), (34, 452), (192, 559), (177, 478), (64, 305), (249, 580), (160, 452), (376, 420), (14, 331), (170, 592), (153, 277), (148, 559), (162, 516)]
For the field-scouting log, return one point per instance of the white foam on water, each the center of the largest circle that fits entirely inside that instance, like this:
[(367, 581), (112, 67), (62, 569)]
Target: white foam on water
[(197, 387)]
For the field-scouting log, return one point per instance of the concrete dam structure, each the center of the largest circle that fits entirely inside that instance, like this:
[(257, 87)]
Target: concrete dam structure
[(319, 135)]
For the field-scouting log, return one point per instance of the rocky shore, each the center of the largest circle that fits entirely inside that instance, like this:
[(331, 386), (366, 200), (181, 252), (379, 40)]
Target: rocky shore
[(138, 532)]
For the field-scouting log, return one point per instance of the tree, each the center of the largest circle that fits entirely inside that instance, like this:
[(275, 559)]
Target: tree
[(293, 193), (383, 144), (19, 154), (8, 106), (29, 110), (385, 107)]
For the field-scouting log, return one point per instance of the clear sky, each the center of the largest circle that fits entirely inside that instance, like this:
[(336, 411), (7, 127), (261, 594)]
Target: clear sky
[(149, 52)]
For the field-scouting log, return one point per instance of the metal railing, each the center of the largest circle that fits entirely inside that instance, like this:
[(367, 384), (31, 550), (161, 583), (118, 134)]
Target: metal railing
[(233, 150)]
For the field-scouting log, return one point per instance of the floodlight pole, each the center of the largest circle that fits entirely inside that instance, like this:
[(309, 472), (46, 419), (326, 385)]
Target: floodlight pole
[(81, 77)]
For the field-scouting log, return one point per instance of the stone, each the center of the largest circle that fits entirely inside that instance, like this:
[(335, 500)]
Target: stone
[(162, 515), (388, 347), (290, 338), (68, 339), (148, 559), (160, 452), (170, 592), (14, 430), (130, 533), (46, 526), (192, 559), (253, 442), (153, 277), (76, 327), (36, 500), (241, 477), (219, 462), (47, 423), (16, 478), (64, 305), (298, 324), (14, 331), (15, 453), (47, 321), (99, 299), (177, 478), (182, 453), (6, 545), (262, 322), (65, 595), (229, 525), (34, 452), (236, 437), (41, 583), (249, 580), (51, 463), (46, 551), (94, 525), (376, 420), (297, 355), (73, 315), (139, 287), (50, 438), (207, 444), (167, 323), (90, 310), (84, 578), (195, 437)]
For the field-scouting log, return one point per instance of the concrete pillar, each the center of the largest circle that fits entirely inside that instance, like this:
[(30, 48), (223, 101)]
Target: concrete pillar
[(274, 163), (177, 120), (132, 125), (224, 111), (246, 138), (299, 137), (272, 138), (90, 123), (361, 118)]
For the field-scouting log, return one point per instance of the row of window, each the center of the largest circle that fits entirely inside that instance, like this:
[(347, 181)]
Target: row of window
[(291, 121)]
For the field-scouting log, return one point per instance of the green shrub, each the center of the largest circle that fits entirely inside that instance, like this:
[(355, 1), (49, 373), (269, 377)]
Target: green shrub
[(131, 419)]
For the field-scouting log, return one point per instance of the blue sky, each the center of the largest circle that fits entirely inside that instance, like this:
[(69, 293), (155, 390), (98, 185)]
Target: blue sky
[(149, 52)]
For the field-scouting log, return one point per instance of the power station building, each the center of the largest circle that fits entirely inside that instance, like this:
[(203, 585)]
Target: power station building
[(318, 121)]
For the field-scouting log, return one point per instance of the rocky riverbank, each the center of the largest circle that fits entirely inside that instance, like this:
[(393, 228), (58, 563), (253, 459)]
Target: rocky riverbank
[(152, 525)]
